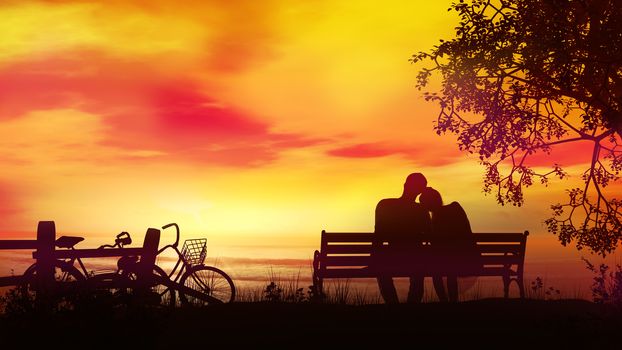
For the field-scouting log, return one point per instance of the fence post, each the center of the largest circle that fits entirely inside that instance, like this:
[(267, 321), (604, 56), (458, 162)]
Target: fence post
[(44, 281), (147, 261)]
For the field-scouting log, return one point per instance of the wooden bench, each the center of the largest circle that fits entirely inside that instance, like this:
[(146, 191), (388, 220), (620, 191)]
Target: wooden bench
[(347, 255)]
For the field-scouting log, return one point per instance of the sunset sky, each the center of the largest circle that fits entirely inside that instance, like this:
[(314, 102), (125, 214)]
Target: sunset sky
[(252, 121)]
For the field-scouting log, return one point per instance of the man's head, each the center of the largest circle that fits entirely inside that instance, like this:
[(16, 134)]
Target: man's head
[(415, 183)]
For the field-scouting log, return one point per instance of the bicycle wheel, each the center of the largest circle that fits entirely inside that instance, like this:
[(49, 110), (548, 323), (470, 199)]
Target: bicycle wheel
[(120, 287), (210, 281), (167, 295), (69, 284), (63, 272)]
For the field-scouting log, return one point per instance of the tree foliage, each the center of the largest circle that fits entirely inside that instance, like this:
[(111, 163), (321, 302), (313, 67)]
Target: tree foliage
[(522, 77)]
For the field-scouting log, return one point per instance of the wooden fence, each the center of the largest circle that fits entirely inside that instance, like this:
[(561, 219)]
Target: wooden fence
[(46, 255)]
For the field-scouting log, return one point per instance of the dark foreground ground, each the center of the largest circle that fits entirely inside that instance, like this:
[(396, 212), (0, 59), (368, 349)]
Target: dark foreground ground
[(489, 323)]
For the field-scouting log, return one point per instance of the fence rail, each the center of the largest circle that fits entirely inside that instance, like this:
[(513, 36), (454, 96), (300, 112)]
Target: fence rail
[(18, 244), (92, 253)]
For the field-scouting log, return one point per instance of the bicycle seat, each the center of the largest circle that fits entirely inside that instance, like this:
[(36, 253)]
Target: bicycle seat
[(68, 241)]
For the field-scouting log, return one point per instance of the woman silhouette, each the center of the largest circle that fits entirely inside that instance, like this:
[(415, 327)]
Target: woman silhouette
[(453, 246)]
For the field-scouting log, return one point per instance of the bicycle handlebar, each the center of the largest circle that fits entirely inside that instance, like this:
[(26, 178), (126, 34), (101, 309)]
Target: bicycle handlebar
[(123, 238), (177, 233)]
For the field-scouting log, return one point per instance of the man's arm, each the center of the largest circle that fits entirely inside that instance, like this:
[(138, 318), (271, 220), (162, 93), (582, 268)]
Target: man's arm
[(379, 225), (424, 222)]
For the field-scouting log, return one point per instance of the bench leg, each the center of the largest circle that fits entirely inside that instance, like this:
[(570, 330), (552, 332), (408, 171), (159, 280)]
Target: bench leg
[(506, 286), (521, 287), (318, 282)]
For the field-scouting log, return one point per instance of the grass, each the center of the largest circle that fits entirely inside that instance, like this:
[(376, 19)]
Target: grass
[(293, 289), (296, 289)]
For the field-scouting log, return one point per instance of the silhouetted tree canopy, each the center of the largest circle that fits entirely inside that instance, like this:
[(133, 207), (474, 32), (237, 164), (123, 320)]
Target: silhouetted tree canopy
[(524, 76)]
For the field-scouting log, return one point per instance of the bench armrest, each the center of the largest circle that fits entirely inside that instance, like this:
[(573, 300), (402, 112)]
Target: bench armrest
[(316, 260)]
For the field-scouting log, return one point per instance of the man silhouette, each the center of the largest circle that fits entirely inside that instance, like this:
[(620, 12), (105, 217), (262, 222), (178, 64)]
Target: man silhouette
[(400, 222)]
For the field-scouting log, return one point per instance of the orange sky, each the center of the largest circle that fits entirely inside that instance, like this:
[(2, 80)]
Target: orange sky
[(239, 120)]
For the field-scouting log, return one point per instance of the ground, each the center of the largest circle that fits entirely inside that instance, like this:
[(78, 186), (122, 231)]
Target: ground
[(488, 323)]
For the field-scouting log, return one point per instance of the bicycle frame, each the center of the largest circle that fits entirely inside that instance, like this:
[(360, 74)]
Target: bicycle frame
[(86, 273), (180, 258), (72, 261)]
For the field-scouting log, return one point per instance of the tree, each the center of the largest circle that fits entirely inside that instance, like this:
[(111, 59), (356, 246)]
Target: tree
[(522, 77)]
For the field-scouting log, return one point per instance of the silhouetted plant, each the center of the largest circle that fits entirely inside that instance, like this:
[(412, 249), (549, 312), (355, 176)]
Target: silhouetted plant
[(340, 293), (541, 291), (521, 77), (552, 293), (360, 297), (606, 285), (314, 295), (273, 292), (537, 285), (297, 297), (17, 302)]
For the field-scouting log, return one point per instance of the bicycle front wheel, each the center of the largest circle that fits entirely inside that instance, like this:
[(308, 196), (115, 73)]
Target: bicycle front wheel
[(167, 295), (207, 280)]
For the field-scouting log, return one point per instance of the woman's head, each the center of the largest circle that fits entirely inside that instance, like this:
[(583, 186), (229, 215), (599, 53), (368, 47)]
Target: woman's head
[(431, 199)]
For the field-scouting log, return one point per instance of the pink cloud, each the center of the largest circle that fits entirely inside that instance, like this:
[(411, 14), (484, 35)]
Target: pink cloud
[(442, 152), (80, 79), (430, 156), (365, 150), (566, 154), (144, 110), (184, 110)]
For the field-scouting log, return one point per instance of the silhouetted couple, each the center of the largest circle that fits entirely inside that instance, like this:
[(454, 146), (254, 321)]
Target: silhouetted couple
[(403, 223)]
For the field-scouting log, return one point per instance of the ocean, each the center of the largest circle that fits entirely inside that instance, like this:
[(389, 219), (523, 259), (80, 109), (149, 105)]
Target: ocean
[(561, 270)]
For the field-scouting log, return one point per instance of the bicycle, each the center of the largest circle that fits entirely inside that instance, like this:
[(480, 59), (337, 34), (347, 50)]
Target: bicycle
[(69, 280), (197, 284)]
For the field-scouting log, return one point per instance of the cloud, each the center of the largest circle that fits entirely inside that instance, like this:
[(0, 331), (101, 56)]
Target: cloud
[(185, 122), (145, 112), (568, 154), (430, 155), (438, 152), (365, 150)]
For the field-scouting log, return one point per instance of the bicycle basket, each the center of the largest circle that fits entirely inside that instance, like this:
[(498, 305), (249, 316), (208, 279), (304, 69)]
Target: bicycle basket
[(194, 251)]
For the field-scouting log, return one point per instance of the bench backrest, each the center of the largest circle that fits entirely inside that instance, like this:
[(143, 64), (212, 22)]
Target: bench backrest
[(344, 250)]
